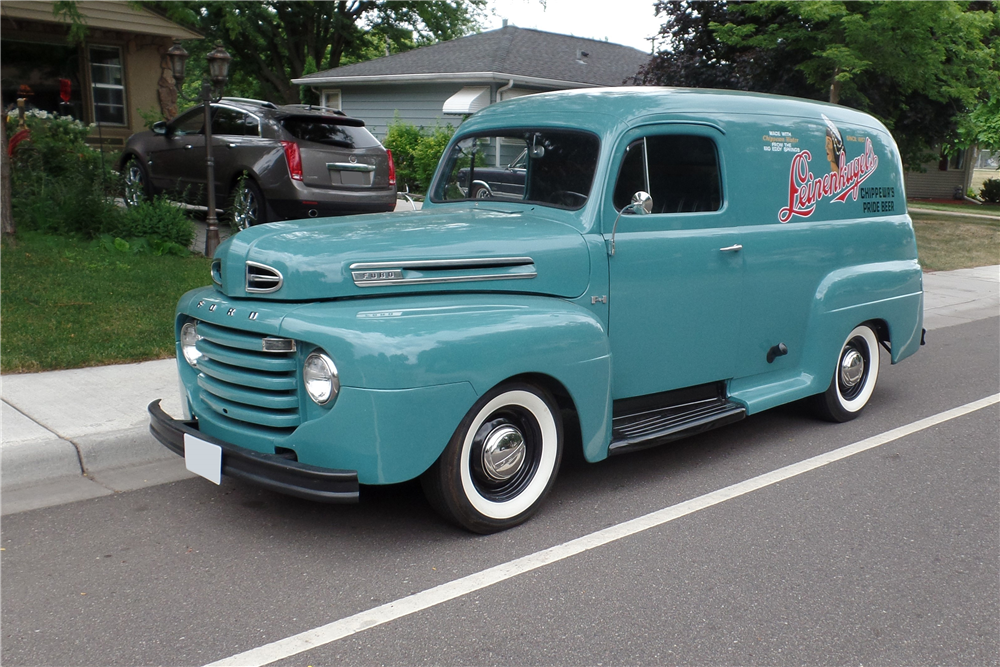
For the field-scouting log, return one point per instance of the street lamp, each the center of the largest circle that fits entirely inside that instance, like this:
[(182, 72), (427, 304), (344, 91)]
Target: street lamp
[(218, 70)]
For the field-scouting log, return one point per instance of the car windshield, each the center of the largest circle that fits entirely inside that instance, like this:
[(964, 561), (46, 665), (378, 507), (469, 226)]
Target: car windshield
[(548, 167)]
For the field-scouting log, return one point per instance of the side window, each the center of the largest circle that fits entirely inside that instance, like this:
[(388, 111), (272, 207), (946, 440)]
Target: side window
[(632, 176), (227, 121), (251, 126), (192, 122), (681, 173)]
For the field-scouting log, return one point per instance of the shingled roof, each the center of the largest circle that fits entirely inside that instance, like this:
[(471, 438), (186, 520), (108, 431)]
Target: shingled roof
[(509, 52)]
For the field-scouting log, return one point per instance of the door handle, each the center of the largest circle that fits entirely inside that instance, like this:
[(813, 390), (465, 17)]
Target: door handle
[(732, 248), (230, 145), (188, 147)]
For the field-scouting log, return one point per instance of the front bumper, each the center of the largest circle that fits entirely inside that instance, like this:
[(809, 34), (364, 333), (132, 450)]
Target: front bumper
[(267, 470)]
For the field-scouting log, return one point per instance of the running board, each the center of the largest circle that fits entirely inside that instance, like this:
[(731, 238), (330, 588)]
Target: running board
[(639, 430)]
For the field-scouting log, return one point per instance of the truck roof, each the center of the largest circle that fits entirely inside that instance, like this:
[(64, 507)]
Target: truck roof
[(603, 109)]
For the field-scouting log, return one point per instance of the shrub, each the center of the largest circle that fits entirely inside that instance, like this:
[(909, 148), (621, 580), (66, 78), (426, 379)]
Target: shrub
[(428, 154), (991, 190), (416, 152), (58, 183), (155, 219)]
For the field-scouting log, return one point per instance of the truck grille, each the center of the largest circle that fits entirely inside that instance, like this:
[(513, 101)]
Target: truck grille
[(240, 381)]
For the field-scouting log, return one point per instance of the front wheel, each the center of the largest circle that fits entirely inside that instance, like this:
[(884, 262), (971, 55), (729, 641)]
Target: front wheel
[(136, 182), (853, 379), (501, 462)]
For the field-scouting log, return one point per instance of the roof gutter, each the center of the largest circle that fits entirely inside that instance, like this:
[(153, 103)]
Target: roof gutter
[(456, 77)]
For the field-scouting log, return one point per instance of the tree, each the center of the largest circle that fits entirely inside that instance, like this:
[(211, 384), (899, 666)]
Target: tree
[(923, 68), (273, 42)]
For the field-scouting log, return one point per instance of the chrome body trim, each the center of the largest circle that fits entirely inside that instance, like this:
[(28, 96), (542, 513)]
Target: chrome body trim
[(264, 283), (350, 166), (272, 344), (374, 274)]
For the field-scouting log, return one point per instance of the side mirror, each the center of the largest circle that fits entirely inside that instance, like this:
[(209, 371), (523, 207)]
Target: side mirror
[(160, 127), (641, 204)]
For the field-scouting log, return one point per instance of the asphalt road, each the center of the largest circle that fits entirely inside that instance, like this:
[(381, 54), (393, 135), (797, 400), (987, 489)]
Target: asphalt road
[(889, 556)]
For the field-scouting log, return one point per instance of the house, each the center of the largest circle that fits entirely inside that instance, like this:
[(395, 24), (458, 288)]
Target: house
[(446, 81), (118, 75), (944, 179)]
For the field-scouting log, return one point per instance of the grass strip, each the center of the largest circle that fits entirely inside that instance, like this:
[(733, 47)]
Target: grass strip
[(982, 209), (68, 304)]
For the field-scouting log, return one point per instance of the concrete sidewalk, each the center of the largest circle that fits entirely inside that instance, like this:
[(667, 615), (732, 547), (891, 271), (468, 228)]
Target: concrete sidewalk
[(83, 433)]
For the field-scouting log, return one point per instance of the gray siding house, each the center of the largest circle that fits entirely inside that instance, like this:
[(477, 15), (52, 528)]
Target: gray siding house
[(440, 84)]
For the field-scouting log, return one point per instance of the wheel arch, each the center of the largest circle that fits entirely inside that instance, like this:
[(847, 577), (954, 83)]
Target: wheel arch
[(572, 432)]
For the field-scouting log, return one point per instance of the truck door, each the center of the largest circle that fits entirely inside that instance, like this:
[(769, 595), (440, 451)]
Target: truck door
[(676, 275)]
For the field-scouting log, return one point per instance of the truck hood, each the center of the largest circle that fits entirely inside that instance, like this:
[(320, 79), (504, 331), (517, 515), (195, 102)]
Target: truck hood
[(473, 249)]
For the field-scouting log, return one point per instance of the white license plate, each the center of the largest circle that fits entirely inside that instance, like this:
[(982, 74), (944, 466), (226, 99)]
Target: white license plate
[(203, 458)]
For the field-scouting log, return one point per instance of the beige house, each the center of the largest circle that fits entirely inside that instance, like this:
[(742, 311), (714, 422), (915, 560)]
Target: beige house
[(942, 179), (118, 75)]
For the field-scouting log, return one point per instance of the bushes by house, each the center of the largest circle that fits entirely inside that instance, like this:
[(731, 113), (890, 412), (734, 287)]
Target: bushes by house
[(416, 152), (60, 185), (991, 190)]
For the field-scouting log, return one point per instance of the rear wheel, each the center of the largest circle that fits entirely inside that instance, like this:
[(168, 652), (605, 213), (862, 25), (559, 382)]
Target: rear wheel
[(246, 205), (501, 462), (854, 377), (480, 192)]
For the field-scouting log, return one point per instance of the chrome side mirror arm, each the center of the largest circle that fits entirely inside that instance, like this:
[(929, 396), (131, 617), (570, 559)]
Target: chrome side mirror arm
[(641, 204)]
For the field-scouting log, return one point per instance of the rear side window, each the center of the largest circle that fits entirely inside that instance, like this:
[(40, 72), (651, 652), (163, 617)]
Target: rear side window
[(680, 172), (329, 132), (227, 121)]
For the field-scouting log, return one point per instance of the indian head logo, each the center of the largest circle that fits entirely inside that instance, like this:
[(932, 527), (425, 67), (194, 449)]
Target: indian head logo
[(805, 189)]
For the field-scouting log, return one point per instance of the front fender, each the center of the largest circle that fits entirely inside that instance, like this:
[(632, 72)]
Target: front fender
[(482, 340)]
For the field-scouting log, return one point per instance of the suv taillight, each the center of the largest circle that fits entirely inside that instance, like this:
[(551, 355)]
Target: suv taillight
[(392, 168), (294, 159)]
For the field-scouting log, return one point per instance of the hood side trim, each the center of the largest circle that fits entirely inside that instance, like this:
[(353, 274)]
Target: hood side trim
[(375, 274)]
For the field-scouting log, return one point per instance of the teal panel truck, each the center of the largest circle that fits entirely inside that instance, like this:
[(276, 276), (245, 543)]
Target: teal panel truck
[(601, 269)]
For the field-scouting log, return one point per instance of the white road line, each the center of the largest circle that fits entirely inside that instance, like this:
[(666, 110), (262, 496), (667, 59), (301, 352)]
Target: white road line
[(345, 627)]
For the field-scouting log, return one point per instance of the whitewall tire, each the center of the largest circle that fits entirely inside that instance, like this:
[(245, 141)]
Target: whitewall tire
[(854, 377), (501, 462)]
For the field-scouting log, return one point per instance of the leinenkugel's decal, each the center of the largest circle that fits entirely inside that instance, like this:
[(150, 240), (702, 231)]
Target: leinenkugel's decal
[(842, 181)]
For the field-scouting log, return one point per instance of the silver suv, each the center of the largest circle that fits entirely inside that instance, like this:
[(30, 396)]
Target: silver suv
[(300, 161)]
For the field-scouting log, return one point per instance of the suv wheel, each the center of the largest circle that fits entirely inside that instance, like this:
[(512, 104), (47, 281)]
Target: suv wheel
[(246, 205), (136, 183)]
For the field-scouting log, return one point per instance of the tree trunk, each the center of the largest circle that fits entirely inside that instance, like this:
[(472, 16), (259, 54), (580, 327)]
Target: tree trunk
[(835, 87), (6, 215)]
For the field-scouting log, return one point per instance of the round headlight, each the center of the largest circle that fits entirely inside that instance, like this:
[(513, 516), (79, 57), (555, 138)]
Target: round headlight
[(189, 340), (320, 377)]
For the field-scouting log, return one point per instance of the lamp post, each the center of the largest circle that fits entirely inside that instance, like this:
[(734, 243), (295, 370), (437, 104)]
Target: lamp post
[(218, 71)]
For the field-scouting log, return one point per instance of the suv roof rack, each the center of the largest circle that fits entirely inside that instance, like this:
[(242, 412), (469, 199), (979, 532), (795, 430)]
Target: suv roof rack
[(316, 107), (247, 100)]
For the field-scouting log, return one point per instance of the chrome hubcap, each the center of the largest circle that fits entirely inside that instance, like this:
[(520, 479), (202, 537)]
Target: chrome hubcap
[(852, 368), (133, 185), (503, 453), (246, 210)]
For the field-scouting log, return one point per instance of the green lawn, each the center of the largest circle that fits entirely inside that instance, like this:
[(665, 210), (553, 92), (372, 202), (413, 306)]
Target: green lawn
[(947, 242), (68, 304)]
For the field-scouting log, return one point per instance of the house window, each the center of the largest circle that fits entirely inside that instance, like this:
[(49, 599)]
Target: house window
[(330, 99), (46, 75), (107, 82)]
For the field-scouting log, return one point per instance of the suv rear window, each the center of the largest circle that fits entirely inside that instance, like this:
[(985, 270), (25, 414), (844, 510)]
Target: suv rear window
[(328, 131)]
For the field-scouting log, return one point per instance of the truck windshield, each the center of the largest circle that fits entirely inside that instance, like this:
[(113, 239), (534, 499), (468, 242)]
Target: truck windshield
[(556, 168)]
